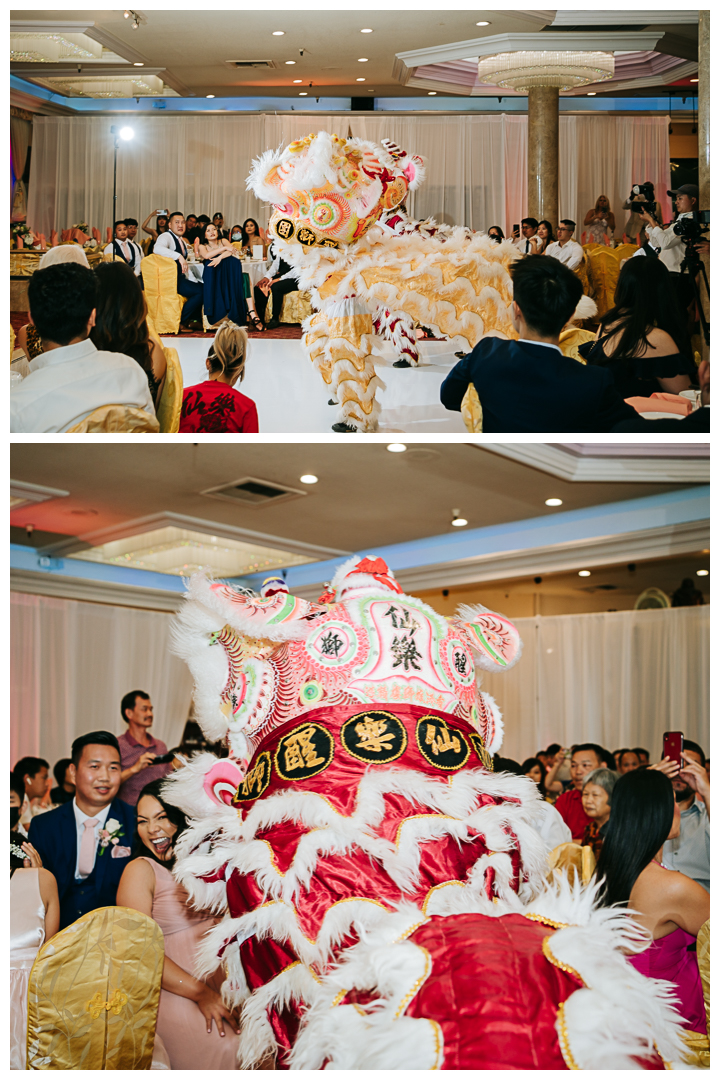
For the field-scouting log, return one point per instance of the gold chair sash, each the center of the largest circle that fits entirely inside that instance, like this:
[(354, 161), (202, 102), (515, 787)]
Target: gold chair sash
[(94, 991), (116, 418), (572, 859), (295, 309), (170, 404), (471, 409)]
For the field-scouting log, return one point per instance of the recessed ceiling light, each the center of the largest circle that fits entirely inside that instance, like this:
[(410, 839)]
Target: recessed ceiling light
[(289, 61), (308, 478), (209, 95), (359, 80), (458, 521), (432, 93), (482, 23), (693, 80), (138, 63), (303, 93), (583, 573), (297, 80), (362, 59), (592, 93), (553, 502), (396, 447), (367, 30), (278, 33), (702, 573)]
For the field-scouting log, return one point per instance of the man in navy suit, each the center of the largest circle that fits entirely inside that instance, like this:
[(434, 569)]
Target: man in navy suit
[(86, 843), (529, 385)]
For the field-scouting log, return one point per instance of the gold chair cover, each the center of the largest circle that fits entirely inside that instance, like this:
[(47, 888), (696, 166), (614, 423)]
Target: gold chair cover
[(93, 993), (296, 307), (624, 251), (571, 338), (471, 409), (164, 304), (572, 859), (604, 269), (116, 418), (12, 343), (170, 404), (582, 273), (145, 244)]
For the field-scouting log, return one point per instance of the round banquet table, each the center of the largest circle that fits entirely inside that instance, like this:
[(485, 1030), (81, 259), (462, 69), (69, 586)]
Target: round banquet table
[(256, 270)]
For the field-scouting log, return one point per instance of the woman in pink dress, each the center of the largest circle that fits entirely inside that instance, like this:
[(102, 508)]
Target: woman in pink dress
[(671, 906), (195, 1027)]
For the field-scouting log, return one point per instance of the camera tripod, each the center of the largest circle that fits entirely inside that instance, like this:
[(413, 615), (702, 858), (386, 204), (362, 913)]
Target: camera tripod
[(692, 265)]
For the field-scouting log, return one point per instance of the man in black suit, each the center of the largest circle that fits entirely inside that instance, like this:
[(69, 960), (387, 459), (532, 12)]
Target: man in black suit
[(529, 385), (86, 843)]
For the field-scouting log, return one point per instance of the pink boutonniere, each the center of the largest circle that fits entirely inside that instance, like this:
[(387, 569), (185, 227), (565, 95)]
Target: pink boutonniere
[(110, 836)]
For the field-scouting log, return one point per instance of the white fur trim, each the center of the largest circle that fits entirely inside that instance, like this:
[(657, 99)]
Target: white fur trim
[(295, 984)]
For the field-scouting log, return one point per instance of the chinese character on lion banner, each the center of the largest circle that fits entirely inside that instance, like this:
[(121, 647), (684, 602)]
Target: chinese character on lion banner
[(387, 898)]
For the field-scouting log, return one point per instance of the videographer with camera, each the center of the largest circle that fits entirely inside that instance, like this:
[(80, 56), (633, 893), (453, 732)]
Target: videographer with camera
[(641, 200), (670, 241)]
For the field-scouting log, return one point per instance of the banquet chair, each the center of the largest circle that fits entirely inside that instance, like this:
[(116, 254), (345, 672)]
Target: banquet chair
[(94, 991), (296, 307), (698, 1045), (164, 303), (571, 339), (625, 251), (582, 272), (116, 418), (170, 404), (572, 860), (604, 272), (471, 410)]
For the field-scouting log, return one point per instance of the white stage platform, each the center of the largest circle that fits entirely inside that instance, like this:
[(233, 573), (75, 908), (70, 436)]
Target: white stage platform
[(291, 396)]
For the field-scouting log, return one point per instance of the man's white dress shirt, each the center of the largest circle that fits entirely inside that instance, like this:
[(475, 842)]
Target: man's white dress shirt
[(80, 820), (672, 249), (131, 251), (570, 253), (165, 246), (525, 244), (65, 385)]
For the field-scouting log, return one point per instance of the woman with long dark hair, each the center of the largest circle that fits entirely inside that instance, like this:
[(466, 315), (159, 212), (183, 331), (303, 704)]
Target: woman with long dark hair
[(535, 769), (642, 339), (188, 1006), (253, 235), (671, 906), (223, 281), (121, 323), (545, 236)]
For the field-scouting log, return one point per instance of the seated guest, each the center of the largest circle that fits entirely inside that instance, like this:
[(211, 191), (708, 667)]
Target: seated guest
[(236, 234), (528, 385), (597, 789), (252, 236), (65, 789), (565, 249), (280, 281), (189, 1007), (71, 378), (669, 905), (121, 324), (528, 243), (553, 760), (689, 850), (544, 236), (534, 768), (161, 227), (132, 227), (628, 761), (84, 843), (138, 748), (34, 775), (495, 233), (28, 337), (642, 339), (218, 221), (17, 798), (194, 232), (172, 246), (190, 223), (214, 406), (34, 919), (223, 279), (585, 759), (642, 755), (122, 248)]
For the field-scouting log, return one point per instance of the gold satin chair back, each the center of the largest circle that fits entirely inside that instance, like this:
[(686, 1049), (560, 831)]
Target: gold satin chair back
[(116, 418), (471, 409), (164, 304), (625, 251), (573, 337), (604, 268), (296, 308), (582, 272), (93, 993), (170, 404), (573, 860)]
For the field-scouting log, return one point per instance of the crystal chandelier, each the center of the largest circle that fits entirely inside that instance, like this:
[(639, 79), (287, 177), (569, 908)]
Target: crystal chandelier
[(565, 70)]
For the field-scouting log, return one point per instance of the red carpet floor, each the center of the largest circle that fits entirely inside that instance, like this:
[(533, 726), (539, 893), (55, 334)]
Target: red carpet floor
[(287, 331)]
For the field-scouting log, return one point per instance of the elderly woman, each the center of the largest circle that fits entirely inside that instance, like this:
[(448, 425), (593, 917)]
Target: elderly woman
[(597, 792)]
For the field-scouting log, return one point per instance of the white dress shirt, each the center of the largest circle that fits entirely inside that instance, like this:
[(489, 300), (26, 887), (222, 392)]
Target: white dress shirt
[(65, 385), (672, 249), (80, 820), (165, 246), (131, 251), (570, 253), (525, 244)]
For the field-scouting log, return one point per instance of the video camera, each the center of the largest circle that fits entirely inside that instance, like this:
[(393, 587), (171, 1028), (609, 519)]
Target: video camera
[(690, 229), (648, 191)]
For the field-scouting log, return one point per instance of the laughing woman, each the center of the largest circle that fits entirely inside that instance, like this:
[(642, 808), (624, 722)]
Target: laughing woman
[(196, 1029)]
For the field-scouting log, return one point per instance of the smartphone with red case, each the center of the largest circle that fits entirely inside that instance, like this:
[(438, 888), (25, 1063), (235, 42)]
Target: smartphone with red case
[(673, 746)]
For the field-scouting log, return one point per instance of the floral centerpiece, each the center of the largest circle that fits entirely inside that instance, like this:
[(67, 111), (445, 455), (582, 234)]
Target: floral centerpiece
[(19, 228)]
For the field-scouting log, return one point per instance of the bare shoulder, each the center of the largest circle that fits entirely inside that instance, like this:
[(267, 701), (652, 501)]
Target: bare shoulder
[(46, 879), (139, 872), (661, 343)]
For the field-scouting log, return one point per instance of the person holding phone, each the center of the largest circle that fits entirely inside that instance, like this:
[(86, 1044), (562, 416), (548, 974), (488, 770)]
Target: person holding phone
[(689, 852), (139, 750)]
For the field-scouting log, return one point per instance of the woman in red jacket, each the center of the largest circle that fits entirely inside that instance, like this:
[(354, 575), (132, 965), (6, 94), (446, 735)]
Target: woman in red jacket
[(214, 406)]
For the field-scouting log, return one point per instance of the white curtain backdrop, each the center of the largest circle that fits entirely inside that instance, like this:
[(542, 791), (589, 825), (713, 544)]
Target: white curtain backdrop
[(617, 678), (477, 165), (71, 663)]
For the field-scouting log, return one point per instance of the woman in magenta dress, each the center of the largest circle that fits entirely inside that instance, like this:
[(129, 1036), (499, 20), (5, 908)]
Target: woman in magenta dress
[(195, 1028), (671, 906), (214, 406)]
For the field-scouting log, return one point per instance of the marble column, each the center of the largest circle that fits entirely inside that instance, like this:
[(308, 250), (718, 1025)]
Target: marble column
[(543, 164), (704, 109)]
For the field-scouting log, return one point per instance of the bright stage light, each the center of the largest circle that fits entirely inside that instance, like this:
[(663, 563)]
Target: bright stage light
[(308, 478), (583, 573), (396, 447), (702, 573), (458, 521), (126, 133), (553, 502)]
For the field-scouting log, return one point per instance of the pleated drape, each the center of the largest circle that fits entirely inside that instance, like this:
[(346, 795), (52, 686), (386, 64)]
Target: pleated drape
[(476, 165)]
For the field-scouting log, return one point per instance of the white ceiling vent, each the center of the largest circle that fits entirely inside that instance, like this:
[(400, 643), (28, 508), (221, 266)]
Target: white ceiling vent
[(252, 63), (251, 491)]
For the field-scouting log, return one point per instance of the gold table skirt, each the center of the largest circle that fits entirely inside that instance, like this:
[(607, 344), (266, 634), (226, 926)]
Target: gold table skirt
[(25, 263)]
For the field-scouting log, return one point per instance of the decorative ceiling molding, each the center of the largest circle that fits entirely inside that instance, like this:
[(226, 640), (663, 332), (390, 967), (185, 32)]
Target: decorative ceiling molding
[(97, 592), (613, 17), (63, 26), (138, 526), (568, 465), (22, 494), (682, 71), (80, 69), (39, 106)]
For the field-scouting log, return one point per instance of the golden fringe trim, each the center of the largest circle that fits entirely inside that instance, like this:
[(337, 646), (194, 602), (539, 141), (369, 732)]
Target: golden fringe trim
[(563, 1040), (417, 984), (544, 919), (548, 954)]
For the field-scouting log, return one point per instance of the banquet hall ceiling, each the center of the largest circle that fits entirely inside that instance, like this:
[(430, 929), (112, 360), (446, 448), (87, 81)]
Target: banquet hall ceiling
[(365, 497), (320, 53)]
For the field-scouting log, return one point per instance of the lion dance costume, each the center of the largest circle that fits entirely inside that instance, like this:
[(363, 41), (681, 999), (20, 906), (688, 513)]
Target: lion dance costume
[(370, 270), (384, 893)]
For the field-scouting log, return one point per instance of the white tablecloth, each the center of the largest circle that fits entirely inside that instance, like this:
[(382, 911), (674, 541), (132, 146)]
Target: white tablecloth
[(256, 270)]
